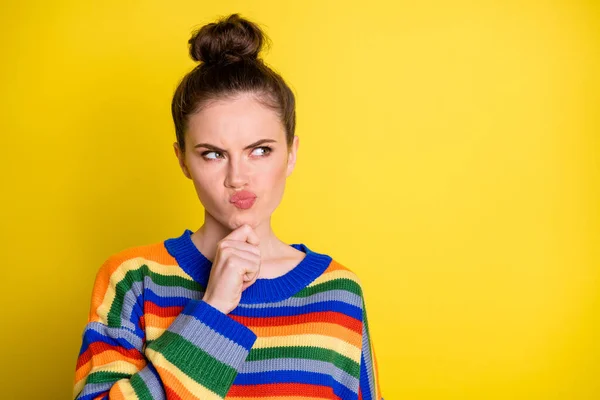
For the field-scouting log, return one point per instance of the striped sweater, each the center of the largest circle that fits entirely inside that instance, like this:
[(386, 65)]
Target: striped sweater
[(149, 335)]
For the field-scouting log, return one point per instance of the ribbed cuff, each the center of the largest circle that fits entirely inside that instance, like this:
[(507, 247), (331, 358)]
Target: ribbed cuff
[(206, 345), (221, 323)]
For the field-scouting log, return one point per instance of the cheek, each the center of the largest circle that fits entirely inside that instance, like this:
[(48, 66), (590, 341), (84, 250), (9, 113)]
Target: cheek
[(206, 187), (273, 183), (273, 175)]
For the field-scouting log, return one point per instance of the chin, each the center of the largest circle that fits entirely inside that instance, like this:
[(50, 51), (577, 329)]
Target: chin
[(238, 221)]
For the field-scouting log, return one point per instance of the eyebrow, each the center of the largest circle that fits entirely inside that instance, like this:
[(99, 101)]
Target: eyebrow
[(213, 147)]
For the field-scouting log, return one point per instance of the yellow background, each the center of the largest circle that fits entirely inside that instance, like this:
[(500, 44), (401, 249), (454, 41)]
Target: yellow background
[(449, 155)]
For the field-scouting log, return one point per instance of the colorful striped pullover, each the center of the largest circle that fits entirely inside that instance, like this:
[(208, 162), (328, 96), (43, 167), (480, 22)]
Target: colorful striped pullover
[(149, 335)]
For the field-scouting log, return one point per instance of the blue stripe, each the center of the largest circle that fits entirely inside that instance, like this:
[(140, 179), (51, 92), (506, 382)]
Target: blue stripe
[(331, 305), (220, 323), (135, 319), (91, 396), (311, 378), (153, 370), (179, 301), (91, 336), (364, 379)]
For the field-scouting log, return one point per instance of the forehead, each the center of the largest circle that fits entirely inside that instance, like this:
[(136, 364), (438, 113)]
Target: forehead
[(235, 121)]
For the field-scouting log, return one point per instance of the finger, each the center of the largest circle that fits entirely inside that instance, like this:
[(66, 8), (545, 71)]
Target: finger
[(246, 256), (245, 246), (249, 282), (246, 285), (244, 233), (250, 278), (245, 263)]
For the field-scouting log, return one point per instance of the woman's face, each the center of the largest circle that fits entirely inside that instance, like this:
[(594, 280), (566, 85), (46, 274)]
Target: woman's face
[(234, 145)]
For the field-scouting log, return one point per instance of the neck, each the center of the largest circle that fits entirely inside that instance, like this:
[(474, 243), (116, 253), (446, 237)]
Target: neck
[(212, 231)]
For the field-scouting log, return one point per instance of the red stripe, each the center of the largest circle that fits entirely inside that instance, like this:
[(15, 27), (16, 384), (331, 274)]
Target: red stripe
[(152, 308), (331, 317), (100, 347), (171, 394), (142, 323), (282, 389)]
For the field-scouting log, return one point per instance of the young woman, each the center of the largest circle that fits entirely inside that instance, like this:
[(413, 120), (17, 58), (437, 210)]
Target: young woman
[(228, 311)]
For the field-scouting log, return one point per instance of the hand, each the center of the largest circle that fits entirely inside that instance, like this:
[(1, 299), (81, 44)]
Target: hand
[(236, 267)]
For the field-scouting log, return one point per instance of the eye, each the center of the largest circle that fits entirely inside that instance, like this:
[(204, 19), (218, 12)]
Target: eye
[(266, 150), (210, 152)]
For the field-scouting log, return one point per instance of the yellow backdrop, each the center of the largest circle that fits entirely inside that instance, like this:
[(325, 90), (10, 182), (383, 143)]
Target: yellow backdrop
[(449, 155)]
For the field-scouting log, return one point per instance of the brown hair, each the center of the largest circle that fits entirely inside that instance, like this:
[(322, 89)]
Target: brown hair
[(229, 65)]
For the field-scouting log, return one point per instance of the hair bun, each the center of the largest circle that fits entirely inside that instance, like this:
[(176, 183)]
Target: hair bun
[(229, 40)]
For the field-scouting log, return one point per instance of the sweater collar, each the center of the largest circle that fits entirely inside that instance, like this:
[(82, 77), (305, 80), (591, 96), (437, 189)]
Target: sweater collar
[(195, 264)]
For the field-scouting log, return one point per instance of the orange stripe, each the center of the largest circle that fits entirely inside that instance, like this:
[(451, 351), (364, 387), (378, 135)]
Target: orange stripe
[(318, 328), (155, 321), (335, 266), (115, 393), (153, 252), (83, 371), (110, 356), (106, 357), (170, 382), (286, 397), (99, 347)]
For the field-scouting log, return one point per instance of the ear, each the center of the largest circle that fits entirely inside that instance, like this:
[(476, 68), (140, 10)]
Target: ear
[(293, 153), (181, 159)]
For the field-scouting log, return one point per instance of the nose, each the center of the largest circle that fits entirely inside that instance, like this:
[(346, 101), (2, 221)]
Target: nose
[(237, 173)]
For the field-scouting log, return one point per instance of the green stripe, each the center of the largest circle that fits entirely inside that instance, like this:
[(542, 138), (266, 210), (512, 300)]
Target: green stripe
[(334, 284), (140, 388), (173, 280), (195, 362), (114, 315), (306, 352), (105, 376), (137, 275)]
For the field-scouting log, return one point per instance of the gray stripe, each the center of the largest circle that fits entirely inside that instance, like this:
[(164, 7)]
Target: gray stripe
[(153, 382), (216, 345), (301, 364), (366, 353), (130, 298), (170, 291), (95, 388), (129, 303), (338, 295), (117, 334)]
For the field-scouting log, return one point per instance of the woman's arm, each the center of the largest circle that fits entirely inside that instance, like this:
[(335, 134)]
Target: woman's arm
[(369, 388), (197, 357)]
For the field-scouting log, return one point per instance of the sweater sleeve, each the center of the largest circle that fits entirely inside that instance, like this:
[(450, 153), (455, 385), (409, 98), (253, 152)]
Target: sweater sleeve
[(369, 388), (197, 357)]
